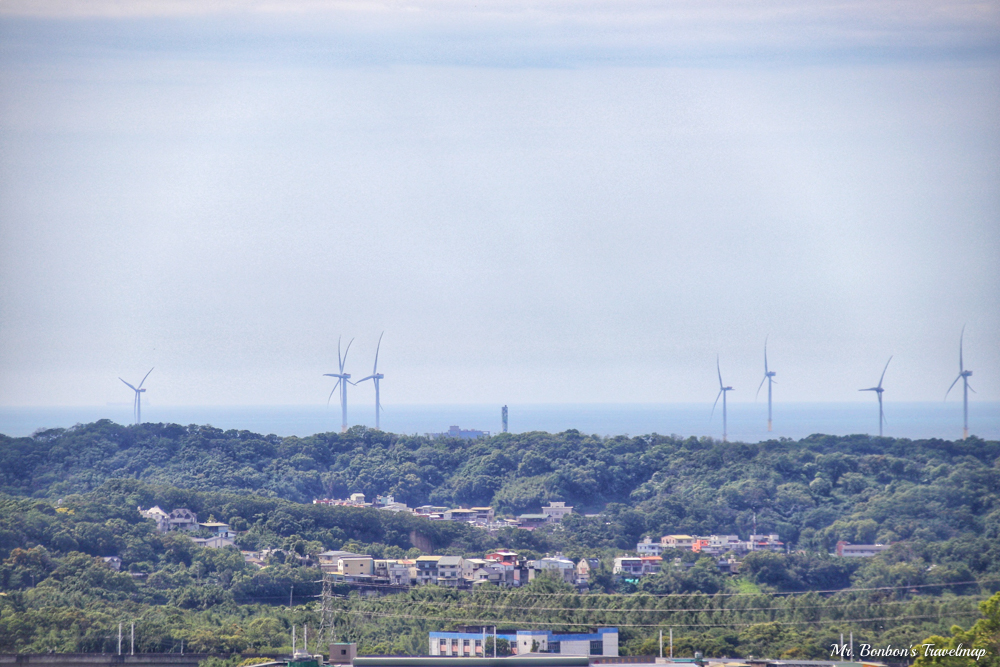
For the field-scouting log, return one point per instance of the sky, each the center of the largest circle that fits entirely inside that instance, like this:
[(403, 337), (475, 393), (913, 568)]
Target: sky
[(544, 202)]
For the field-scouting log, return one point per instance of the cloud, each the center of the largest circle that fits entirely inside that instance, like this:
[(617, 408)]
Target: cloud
[(553, 32)]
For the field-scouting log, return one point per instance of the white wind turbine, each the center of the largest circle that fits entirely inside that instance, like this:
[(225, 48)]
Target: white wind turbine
[(769, 378), (375, 377), (342, 380), (137, 403), (878, 390), (963, 375), (723, 390)]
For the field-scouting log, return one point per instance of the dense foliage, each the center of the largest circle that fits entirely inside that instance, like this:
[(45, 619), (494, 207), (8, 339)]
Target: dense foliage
[(812, 492), (72, 497)]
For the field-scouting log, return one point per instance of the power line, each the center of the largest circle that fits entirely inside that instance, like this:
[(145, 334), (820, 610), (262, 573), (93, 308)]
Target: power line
[(710, 595), (654, 625), (502, 607)]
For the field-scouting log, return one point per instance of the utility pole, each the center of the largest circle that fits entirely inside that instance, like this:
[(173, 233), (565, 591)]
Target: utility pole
[(290, 592), (293, 641), (133, 638), (120, 638), (671, 643), (661, 642), (305, 638), (494, 641)]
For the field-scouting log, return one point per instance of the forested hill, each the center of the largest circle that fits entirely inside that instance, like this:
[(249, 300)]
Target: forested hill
[(812, 492)]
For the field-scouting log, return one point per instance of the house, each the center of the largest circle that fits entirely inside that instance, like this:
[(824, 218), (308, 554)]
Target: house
[(649, 548), (253, 558), (560, 566), (848, 550), (601, 642), (677, 542), (114, 562), (465, 515), (401, 572), (555, 511), (218, 528), (505, 557), (532, 521), (628, 566), (585, 568), (430, 511), (161, 518), (345, 562), (651, 564), (449, 571), (720, 544), (489, 573), (214, 542), (484, 514), (331, 557), (769, 542), (426, 570)]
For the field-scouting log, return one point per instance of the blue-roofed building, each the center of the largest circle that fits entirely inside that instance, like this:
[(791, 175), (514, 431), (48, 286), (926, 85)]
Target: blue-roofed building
[(600, 642)]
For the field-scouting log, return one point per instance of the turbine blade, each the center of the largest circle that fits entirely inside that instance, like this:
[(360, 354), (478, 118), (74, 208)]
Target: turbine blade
[(129, 386), (761, 385), (765, 355), (869, 389), (331, 392), (961, 340), (345, 355), (716, 403), (952, 385), (377, 348), (370, 377), (339, 362), (972, 390), (717, 368), (144, 378), (884, 370)]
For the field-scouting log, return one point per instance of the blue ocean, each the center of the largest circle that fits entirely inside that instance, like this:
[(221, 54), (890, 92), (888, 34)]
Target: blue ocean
[(747, 422)]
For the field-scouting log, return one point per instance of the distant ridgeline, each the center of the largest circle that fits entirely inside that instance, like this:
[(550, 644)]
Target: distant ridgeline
[(813, 492)]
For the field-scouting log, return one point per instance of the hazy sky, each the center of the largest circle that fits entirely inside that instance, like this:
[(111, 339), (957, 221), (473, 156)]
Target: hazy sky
[(537, 202)]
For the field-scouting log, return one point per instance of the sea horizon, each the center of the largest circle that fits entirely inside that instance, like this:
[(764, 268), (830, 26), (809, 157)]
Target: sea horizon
[(747, 422)]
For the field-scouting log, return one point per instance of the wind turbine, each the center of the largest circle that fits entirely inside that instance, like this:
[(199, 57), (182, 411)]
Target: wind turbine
[(342, 380), (375, 377), (878, 390), (722, 392), (769, 377), (137, 403), (963, 375)]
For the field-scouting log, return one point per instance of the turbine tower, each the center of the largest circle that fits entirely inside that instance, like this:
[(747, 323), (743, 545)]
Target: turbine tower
[(963, 375), (137, 403), (342, 380), (375, 377), (722, 392), (769, 377), (878, 390)]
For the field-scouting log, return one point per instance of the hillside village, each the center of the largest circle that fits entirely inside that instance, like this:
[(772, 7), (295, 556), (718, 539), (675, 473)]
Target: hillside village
[(502, 568)]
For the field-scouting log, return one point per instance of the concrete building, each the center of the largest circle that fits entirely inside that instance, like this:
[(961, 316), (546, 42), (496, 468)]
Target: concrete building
[(555, 511), (677, 542), (628, 566), (562, 567), (426, 570), (649, 548), (449, 569), (848, 550), (602, 642)]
